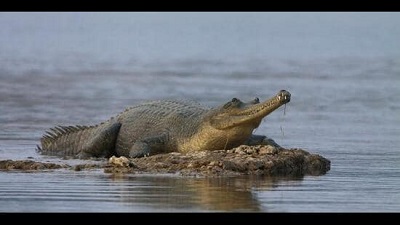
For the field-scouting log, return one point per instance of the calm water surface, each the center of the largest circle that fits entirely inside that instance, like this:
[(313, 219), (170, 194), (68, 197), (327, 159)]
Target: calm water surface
[(342, 69)]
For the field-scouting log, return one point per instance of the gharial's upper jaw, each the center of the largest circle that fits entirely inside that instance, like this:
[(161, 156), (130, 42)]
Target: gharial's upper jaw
[(284, 96)]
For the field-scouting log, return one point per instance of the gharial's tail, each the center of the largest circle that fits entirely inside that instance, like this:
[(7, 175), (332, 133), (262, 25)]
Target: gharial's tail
[(80, 141)]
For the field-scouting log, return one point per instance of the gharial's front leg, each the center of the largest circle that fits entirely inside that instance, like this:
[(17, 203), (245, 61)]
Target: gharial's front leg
[(261, 140), (149, 146)]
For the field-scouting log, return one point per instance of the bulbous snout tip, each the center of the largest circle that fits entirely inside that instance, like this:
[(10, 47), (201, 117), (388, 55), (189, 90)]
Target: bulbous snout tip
[(284, 96)]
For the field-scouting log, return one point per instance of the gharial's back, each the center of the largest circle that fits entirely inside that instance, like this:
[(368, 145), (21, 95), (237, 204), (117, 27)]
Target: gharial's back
[(166, 120)]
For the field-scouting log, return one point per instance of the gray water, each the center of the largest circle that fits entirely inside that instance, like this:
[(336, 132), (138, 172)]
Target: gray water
[(342, 70)]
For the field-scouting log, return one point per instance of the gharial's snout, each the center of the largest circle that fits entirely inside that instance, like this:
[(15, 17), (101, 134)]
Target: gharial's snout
[(284, 96), (236, 113)]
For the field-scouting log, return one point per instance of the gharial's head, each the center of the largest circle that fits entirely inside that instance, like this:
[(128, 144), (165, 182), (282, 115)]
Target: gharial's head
[(236, 113)]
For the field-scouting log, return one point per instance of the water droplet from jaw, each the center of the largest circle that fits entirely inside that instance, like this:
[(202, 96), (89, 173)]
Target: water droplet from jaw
[(283, 120)]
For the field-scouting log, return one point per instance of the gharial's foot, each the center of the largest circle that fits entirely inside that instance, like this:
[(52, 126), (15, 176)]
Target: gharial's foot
[(139, 149), (269, 141), (261, 140)]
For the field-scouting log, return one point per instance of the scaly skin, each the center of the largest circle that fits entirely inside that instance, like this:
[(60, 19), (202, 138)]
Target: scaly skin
[(165, 126)]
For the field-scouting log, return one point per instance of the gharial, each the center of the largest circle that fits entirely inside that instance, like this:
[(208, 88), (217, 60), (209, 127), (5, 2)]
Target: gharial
[(163, 126)]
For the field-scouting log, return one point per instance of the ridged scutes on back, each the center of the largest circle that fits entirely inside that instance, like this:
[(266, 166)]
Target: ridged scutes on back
[(59, 131), (167, 107)]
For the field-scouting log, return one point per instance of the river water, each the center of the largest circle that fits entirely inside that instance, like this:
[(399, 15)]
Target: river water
[(342, 69)]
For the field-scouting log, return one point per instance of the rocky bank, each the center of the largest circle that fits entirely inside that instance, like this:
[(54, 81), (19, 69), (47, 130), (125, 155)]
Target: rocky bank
[(243, 160)]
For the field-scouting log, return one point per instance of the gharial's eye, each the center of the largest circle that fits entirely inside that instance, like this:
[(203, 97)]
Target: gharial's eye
[(234, 100), (233, 103)]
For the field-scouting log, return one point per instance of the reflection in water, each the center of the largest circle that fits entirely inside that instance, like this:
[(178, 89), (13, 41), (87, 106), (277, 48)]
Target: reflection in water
[(205, 194), (94, 191)]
